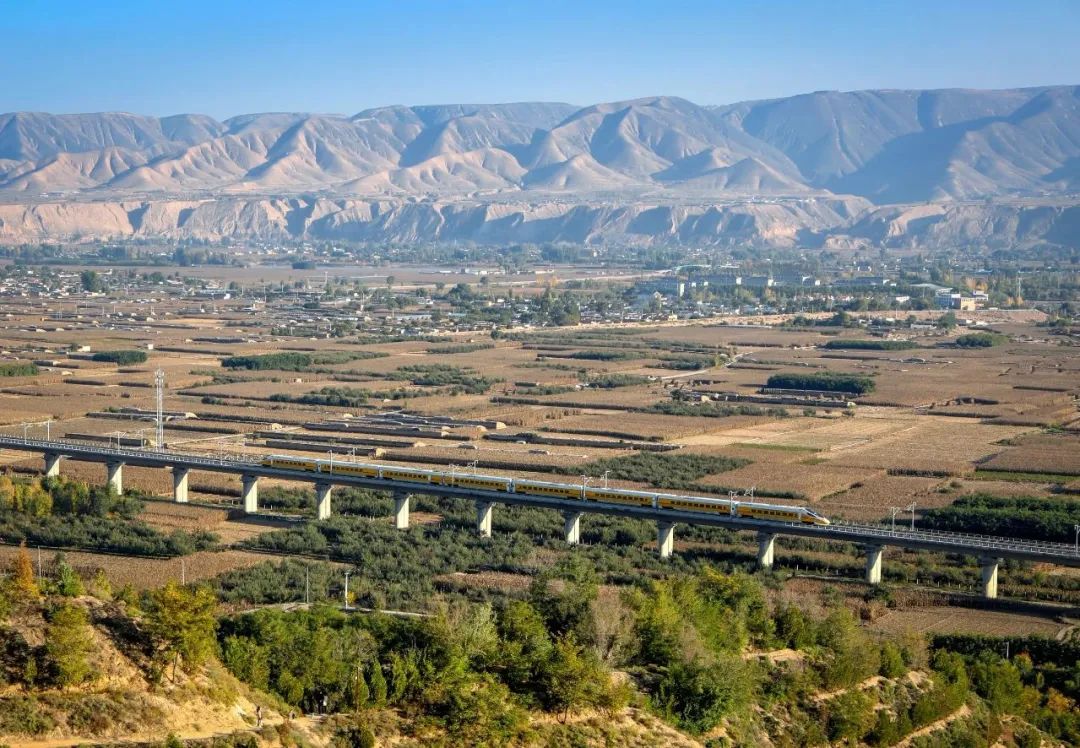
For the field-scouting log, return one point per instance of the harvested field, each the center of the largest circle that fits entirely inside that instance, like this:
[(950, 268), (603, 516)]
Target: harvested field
[(167, 516), (488, 580), (652, 425), (812, 482), (946, 620), (1039, 453), (930, 444), (870, 502), (145, 573)]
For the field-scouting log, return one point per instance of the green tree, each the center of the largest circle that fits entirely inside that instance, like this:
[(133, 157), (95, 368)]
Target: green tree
[(892, 661), (361, 694), (68, 642), (182, 623), (378, 685), (68, 582), (91, 281), (574, 678)]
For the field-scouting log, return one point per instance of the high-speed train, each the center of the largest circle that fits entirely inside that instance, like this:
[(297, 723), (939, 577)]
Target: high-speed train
[(746, 509)]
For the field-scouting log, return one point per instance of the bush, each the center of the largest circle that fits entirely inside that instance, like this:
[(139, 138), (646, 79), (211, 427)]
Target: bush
[(611, 381), (121, 357), (850, 716), (23, 715), (981, 340), (699, 696)]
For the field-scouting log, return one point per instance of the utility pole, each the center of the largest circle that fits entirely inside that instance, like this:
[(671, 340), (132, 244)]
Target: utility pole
[(893, 511), (347, 572), (159, 385), (911, 508)]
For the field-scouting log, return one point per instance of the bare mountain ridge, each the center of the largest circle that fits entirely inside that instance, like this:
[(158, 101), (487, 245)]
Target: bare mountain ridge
[(800, 170), (887, 146)]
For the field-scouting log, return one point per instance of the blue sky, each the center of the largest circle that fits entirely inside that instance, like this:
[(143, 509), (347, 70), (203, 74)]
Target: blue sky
[(237, 56)]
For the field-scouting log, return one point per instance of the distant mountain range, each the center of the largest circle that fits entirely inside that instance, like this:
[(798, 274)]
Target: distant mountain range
[(1004, 166)]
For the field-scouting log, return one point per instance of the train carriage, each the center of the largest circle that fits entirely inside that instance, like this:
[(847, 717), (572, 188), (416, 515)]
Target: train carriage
[(484, 482), (541, 488), (620, 496), (747, 510)]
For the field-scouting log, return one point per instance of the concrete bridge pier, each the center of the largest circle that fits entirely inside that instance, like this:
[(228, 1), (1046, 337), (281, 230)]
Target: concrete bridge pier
[(766, 551), (52, 465), (249, 493), (484, 511), (322, 501), (114, 476), (873, 563), (401, 511), (572, 527), (665, 538), (180, 484), (990, 577)]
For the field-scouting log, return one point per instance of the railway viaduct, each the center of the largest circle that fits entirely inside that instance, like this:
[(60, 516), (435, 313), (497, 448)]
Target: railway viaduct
[(991, 550)]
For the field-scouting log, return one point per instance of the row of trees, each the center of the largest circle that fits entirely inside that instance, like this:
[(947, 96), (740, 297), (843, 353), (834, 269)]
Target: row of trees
[(822, 381), (64, 513), (1010, 516), (124, 357)]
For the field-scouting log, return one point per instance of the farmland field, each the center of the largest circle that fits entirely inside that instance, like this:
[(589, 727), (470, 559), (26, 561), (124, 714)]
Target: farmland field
[(941, 422)]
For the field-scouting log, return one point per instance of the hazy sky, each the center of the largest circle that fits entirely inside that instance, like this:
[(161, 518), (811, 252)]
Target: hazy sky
[(235, 56)]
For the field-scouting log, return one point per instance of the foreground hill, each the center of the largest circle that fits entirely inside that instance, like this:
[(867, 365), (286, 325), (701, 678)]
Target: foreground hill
[(406, 173)]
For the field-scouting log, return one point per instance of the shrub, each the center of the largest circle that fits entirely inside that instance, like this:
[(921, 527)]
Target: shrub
[(699, 696), (981, 340)]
